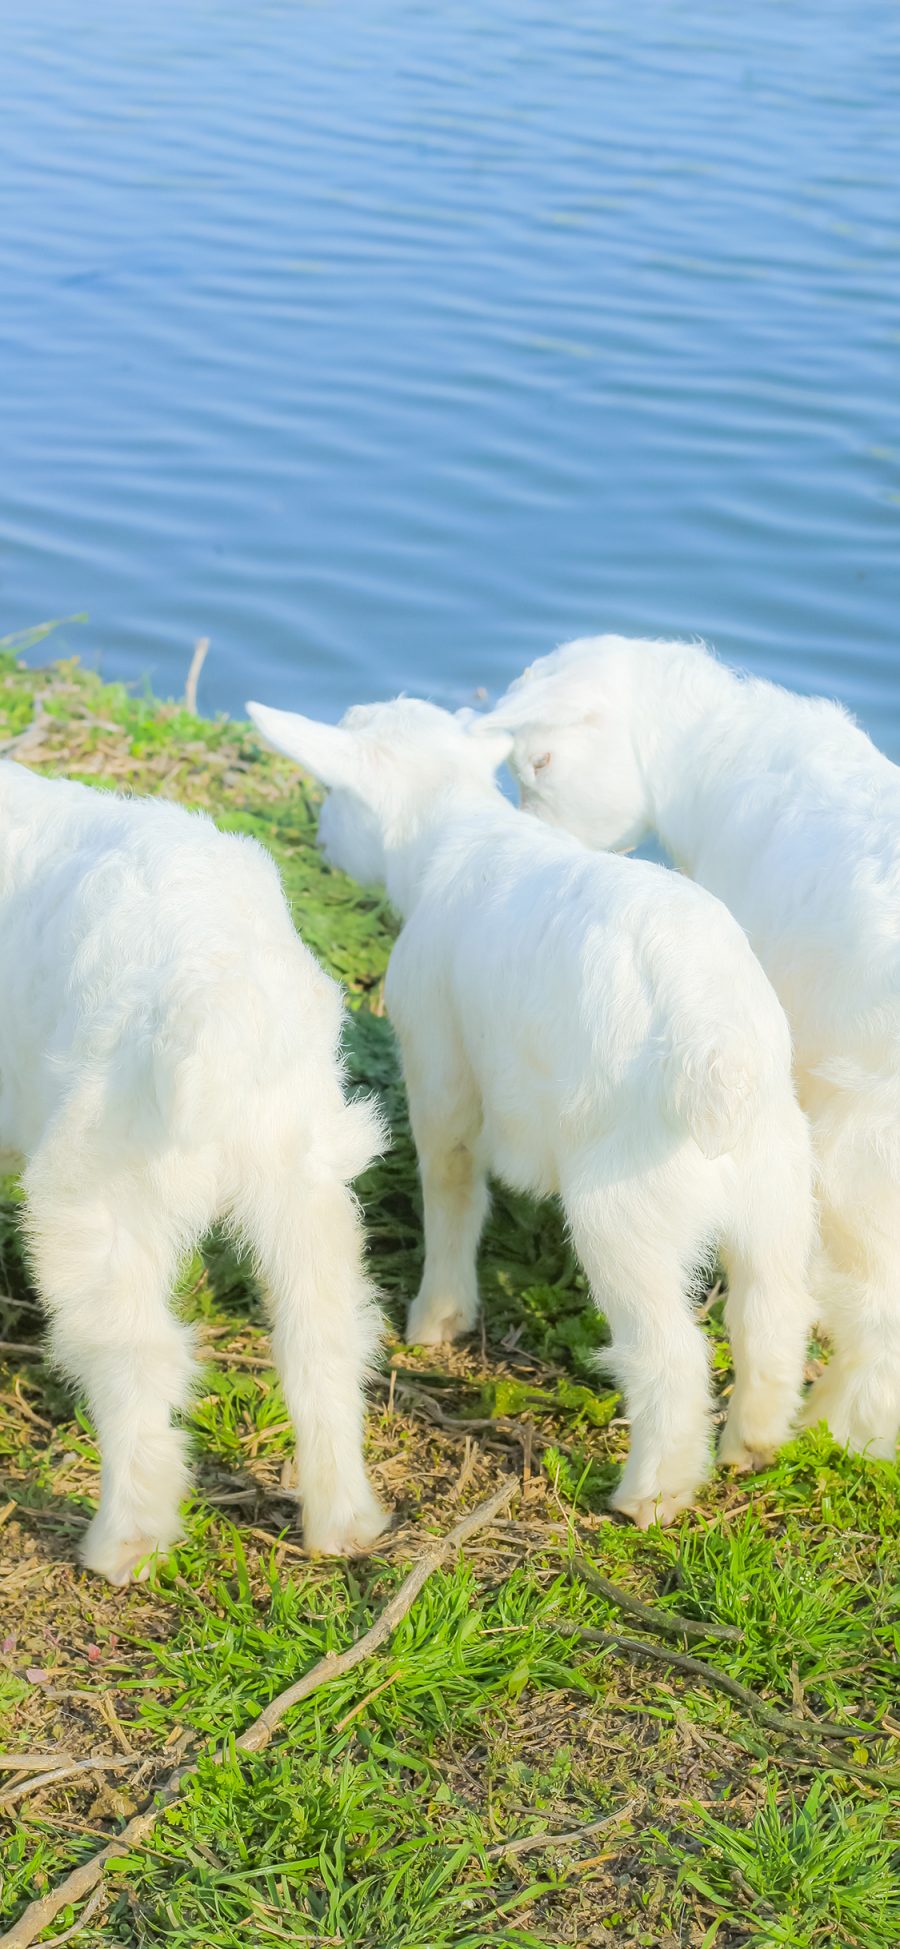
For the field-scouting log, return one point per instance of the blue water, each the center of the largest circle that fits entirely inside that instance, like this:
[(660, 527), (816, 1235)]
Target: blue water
[(388, 343)]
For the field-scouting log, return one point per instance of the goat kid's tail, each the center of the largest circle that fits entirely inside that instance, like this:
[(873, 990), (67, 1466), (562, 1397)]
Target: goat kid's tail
[(718, 1088), (355, 1136)]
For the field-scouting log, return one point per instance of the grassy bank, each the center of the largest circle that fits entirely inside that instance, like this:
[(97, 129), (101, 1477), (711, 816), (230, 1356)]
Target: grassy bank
[(488, 1776)]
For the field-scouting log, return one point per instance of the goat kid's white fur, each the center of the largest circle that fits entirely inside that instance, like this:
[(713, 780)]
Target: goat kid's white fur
[(169, 1056), (592, 1027), (784, 808)]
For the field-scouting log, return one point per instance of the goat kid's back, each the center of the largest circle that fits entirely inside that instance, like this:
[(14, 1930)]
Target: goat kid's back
[(588, 990)]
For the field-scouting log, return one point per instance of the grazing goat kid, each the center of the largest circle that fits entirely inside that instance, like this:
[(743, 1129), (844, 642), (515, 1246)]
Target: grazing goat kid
[(785, 809), (590, 1027), (169, 1056)]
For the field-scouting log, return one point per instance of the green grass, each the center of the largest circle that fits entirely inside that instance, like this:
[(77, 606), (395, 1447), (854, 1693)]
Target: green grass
[(824, 1872), (384, 1814)]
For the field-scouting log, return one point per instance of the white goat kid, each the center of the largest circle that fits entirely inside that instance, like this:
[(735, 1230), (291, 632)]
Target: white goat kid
[(169, 1056), (591, 1027), (785, 809)]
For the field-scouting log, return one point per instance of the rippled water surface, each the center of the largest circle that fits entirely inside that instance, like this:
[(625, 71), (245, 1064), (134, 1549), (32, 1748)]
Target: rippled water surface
[(389, 343)]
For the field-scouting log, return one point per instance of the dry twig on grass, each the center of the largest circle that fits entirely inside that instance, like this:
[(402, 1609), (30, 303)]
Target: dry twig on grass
[(56, 1772), (201, 651), (668, 1622), (681, 1661), (529, 1843), (504, 1428), (83, 1880), (32, 736), (96, 1903)]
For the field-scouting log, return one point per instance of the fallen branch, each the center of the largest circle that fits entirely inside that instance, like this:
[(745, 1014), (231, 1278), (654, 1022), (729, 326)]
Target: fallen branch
[(201, 651), (56, 1772), (83, 1880), (681, 1661), (20, 1762), (811, 1762), (528, 1843), (33, 734), (656, 1619), (503, 1427), (96, 1903)]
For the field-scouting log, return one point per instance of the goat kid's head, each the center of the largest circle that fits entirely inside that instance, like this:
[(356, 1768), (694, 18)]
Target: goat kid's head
[(385, 767), (574, 718)]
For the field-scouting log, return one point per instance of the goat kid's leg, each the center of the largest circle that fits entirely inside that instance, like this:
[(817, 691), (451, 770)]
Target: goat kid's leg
[(325, 1332), (639, 1279), (455, 1202), (858, 1394), (769, 1312), (105, 1268), (769, 1316), (858, 1273), (445, 1113)]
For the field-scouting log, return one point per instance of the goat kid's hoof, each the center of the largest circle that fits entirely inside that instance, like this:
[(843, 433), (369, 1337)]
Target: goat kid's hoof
[(122, 1560), (743, 1458), (851, 1422), (747, 1460), (436, 1325), (647, 1510), (351, 1535)]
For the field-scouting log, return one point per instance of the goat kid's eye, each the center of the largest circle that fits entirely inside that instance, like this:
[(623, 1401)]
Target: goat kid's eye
[(540, 763)]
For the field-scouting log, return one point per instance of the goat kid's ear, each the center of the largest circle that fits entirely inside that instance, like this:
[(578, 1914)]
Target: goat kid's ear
[(328, 751), (495, 744)]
